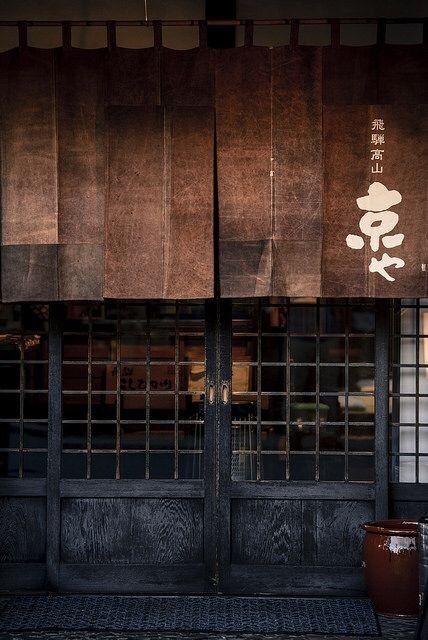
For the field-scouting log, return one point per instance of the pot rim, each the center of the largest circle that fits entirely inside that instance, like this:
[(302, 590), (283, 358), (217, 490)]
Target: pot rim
[(395, 527)]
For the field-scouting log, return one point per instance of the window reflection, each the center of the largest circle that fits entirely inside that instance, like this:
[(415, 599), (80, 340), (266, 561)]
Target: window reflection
[(303, 381), (133, 391)]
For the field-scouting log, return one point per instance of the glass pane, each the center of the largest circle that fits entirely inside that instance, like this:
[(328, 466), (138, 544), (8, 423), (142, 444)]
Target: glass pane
[(133, 346), (73, 465), (104, 347), (36, 376), (190, 466), (103, 436), (274, 437), (10, 346), (161, 465), (361, 379), (244, 437), (302, 437), (274, 349), (35, 347), (162, 436), (244, 466), (332, 468), (362, 320), (75, 347), (274, 408), (332, 378), (35, 435), (244, 378), (74, 435), (274, 319), (303, 378), (9, 465), (192, 349), (361, 468), (162, 377), (272, 467), (245, 407), (9, 376), (162, 407), (133, 465), (9, 405), (303, 319), (133, 436), (74, 377), (133, 406), (192, 377), (332, 437), (104, 377), (332, 349), (274, 378), (361, 408), (361, 437), (35, 405), (133, 377), (9, 435), (191, 436), (75, 406), (244, 349), (34, 465), (361, 349), (103, 466), (103, 406), (333, 319), (302, 467), (303, 349), (162, 345), (332, 408)]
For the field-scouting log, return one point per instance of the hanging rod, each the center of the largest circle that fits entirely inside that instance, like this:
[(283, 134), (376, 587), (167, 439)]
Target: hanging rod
[(209, 23)]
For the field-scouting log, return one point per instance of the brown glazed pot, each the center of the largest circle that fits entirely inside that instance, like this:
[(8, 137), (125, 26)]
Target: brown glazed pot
[(390, 561)]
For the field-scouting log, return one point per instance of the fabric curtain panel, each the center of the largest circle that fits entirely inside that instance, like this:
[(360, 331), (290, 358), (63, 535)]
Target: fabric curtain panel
[(322, 171), (107, 173), (116, 164)]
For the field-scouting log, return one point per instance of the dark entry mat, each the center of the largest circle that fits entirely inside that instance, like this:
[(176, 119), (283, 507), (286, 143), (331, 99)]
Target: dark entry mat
[(343, 616)]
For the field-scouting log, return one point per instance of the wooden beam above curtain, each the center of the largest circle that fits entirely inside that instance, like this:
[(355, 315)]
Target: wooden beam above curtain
[(115, 164)]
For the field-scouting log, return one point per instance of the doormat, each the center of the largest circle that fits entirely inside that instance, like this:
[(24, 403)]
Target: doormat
[(218, 614)]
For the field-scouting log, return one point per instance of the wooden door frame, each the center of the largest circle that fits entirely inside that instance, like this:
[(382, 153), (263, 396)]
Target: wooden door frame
[(324, 579)]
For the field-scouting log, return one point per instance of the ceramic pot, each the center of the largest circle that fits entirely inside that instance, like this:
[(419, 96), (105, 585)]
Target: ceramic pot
[(390, 561)]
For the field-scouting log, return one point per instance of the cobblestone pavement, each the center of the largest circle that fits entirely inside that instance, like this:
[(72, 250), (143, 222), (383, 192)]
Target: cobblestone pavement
[(391, 630)]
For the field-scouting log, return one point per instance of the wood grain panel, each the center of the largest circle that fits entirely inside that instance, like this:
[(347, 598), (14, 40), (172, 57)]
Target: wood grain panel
[(266, 531), (22, 529), (28, 149), (129, 531), (332, 535), (409, 509)]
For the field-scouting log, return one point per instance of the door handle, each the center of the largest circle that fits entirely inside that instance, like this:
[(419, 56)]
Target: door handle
[(211, 393), (225, 392)]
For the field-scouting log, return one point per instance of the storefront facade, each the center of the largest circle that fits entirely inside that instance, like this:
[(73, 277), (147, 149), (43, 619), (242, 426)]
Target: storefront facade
[(230, 446), (214, 311)]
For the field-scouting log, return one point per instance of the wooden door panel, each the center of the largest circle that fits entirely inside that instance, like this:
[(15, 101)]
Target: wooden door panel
[(132, 531)]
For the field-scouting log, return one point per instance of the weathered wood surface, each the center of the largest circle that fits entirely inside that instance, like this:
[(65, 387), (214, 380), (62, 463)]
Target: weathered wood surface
[(132, 531), (22, 529)]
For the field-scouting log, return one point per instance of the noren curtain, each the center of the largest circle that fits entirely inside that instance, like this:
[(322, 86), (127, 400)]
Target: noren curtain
[(115, 164)]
